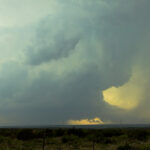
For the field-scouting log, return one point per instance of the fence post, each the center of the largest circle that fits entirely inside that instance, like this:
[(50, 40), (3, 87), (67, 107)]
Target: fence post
[(93, 145), (43, 140)]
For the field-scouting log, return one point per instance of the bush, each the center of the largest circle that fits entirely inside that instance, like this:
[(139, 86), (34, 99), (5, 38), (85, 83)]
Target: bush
[(124, 147), (70, 139), (59, 132), (76, 132), (25, 134), (140, 135), (111, 133)]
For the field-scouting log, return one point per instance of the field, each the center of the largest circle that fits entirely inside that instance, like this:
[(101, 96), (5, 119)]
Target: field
[(75, 139)]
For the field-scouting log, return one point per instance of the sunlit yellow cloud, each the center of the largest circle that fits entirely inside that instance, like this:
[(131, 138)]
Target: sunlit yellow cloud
[(93, 121), (127, 96)]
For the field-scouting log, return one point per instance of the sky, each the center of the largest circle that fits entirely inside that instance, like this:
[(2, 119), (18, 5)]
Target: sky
[(74, 62)]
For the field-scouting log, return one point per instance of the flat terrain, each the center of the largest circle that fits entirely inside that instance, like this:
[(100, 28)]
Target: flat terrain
[(75, 139)]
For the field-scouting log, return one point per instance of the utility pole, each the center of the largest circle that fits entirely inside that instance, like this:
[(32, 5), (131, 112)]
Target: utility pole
[(120, 123)]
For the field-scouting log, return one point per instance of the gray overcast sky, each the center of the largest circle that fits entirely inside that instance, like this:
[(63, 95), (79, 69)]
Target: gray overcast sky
[(70, 61)]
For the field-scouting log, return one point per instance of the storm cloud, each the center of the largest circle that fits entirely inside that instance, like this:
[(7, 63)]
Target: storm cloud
[(74, 60)]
